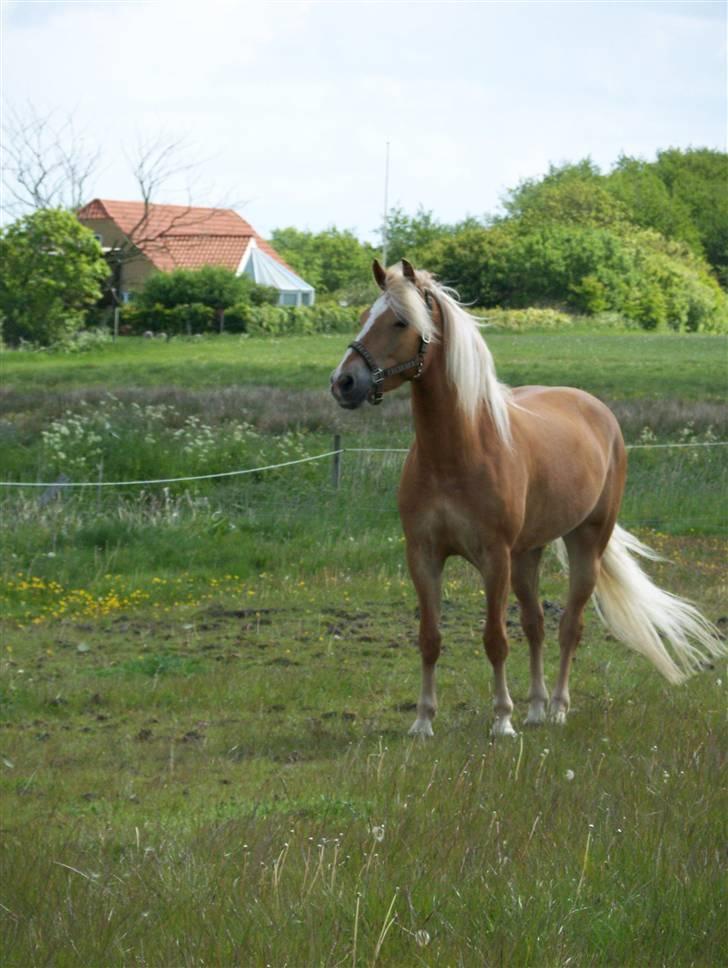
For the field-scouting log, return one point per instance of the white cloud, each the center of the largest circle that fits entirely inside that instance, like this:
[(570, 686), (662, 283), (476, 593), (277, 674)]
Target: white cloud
[(291, 103)]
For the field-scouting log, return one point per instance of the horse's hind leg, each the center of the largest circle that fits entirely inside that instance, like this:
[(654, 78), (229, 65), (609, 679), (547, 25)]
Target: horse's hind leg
[(584, 547), (426, 572), (524, 579)]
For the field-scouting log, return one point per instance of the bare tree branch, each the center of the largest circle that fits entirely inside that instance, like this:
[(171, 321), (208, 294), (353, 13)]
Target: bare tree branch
[(46, 162), (157, 163)]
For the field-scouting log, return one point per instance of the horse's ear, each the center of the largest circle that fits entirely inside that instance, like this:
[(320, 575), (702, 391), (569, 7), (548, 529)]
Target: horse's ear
[(434, 307), (408, 271), (380, 274)]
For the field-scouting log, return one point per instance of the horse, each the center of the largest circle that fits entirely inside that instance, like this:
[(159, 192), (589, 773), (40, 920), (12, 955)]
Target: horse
[(494, 475)]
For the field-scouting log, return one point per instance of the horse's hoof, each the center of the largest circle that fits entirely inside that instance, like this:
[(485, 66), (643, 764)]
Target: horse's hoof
[(536, 716), (503, 727), (558, 717), (421, 727)]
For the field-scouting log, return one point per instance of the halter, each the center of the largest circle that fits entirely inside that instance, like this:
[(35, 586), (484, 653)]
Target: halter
[(379, 375)]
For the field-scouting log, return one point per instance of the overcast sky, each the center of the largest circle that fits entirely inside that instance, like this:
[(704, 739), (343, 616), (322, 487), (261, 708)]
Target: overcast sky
[(289, 105)]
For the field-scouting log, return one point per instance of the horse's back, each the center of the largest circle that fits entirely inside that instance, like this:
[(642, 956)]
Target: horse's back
[(545, 412)]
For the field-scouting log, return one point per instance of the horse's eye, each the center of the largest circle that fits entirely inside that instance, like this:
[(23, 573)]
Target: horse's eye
[(401, 323)]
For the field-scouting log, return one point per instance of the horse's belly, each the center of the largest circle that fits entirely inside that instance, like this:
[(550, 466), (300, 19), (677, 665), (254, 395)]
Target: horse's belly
[(560, 502)]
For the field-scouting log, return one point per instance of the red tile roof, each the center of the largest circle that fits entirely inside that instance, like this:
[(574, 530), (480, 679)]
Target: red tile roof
[(181, 236)]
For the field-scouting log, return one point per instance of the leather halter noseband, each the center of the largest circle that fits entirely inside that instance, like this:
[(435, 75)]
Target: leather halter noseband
[(379, 375)]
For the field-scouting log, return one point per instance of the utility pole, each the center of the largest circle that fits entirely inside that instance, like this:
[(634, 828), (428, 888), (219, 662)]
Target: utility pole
[(385, 223)]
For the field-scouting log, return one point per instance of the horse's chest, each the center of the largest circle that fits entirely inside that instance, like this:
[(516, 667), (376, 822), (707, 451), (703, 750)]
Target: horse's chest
[(449, 526)]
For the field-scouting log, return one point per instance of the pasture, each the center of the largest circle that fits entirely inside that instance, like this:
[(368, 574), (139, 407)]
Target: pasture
[(205, 688)]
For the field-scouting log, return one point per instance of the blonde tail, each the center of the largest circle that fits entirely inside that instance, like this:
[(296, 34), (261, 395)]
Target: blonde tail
[(667, 630)]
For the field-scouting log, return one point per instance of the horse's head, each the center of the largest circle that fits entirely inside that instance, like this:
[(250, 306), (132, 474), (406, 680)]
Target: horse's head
[(392, 344)]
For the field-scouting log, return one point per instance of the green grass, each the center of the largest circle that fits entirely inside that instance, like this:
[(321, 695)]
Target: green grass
[(210, 784), (205, 691), (626, 365)]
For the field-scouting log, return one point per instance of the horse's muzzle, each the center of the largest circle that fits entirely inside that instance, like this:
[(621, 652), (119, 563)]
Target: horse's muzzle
[(351, 388)]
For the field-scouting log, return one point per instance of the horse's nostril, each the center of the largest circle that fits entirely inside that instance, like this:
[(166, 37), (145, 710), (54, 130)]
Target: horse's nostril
[(346, 382)]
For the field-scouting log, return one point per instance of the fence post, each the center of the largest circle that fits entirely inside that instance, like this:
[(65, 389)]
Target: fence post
[(336, 463)]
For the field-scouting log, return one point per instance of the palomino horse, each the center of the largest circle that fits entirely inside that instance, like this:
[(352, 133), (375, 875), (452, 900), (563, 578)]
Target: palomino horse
[(494, 475)]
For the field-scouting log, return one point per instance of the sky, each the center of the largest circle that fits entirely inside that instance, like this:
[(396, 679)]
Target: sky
[(285, 108)]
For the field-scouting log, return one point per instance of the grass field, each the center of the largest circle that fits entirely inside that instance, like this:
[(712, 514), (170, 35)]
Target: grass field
[(205, 689), (628, 365)]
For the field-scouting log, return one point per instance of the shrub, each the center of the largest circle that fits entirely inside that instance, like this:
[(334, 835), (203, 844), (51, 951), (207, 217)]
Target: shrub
[(192, 318), (521, 320), (82, 340), (140, 319), (213, 287), (636, 273), (263, 296), (52, 272), (236, 318), (291, 320)]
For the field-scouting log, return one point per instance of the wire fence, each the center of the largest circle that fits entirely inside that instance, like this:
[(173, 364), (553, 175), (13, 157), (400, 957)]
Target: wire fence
[(335, 454)]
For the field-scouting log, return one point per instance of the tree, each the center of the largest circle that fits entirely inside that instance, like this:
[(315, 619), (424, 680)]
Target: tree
[(473, 261), (407, 235), (571, 195), (681, 195), (696, 179), (330, 260), (52, 272), (302, 252), (46, 161), (649, 203), (526, 196)]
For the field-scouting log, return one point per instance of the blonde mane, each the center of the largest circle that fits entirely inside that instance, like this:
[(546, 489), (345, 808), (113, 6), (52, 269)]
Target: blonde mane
[(469, 362)]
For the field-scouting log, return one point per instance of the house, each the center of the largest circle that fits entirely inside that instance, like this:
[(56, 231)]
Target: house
[(140, 239)]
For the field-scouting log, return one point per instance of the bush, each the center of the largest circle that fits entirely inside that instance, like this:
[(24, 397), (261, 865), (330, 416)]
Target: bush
[(192, 318), (291, 320), (213, 287), (236, 318), (265, 320), (186, 320), (83, 340), (636, 273), (141, 319), (52, 272), (522, 320), (263, 296)]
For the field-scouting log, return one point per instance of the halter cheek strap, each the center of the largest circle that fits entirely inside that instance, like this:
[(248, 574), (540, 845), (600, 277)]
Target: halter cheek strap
[(379, 375)]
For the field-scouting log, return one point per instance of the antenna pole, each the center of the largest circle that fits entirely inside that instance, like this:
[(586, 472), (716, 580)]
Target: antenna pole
[(385, 223)]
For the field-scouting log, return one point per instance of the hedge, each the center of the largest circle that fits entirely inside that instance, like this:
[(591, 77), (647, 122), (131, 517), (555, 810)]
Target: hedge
[(194, 318)]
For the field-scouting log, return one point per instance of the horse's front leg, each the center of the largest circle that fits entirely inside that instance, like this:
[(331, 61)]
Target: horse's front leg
[(497, 574), (426, 570)]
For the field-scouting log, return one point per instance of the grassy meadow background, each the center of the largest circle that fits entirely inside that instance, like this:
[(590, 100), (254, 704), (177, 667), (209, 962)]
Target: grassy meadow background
[(205, 688)]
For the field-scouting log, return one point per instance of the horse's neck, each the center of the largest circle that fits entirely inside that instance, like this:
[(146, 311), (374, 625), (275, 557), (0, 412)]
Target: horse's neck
[(445, 436)]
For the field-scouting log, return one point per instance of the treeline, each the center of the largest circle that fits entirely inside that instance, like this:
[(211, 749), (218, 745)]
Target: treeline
[(647, 241)]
